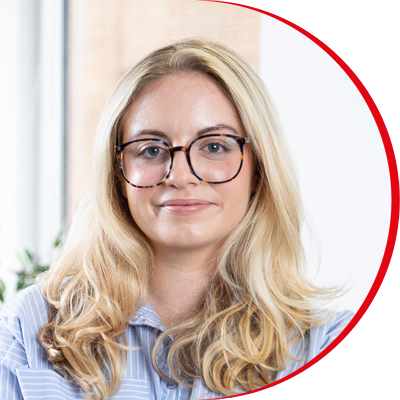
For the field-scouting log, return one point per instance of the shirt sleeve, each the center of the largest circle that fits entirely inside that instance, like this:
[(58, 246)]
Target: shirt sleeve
[(12, 356)]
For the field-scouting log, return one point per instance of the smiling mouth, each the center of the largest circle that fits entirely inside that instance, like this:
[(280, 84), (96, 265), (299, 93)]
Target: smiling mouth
[(185, 206)]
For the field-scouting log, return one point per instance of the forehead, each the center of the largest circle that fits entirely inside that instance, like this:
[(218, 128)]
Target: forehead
[(180, 105)]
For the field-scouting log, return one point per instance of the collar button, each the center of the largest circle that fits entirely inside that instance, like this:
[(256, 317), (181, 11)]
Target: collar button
[(172, 385)]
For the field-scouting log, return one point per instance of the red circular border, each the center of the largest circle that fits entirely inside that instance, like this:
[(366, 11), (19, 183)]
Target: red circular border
[(394, 183)]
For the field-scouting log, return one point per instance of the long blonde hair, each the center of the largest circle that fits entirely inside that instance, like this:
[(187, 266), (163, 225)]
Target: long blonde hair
[(259, 295)]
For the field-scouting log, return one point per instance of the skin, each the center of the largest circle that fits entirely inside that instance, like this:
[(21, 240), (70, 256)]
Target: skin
[(185, 244)]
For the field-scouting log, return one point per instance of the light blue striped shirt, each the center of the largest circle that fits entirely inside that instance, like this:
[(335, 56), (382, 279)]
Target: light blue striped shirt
[(26, 374)]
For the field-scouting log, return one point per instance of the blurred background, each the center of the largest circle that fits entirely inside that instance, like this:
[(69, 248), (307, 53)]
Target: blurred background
[(61, 60)]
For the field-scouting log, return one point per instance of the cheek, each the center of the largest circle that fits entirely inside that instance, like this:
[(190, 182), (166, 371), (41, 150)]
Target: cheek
[(237, 197), (139, 205)]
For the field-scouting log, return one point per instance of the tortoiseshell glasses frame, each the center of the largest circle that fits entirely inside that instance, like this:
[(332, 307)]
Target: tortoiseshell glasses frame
[(119, 150)]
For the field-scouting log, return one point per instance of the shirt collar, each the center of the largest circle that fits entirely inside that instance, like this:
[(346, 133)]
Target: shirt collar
[(147, 316)]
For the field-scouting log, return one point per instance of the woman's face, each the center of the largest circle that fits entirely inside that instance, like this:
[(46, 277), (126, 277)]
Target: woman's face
[(184, 212)]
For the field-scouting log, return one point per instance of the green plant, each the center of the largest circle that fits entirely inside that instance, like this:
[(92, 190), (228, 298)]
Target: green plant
[(31, 268), (2, 290)]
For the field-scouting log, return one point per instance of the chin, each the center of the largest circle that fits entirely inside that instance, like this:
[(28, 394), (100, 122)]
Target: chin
[(187, 243), (186, 239)]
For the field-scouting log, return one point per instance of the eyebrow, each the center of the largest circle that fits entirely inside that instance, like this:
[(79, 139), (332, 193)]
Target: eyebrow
[(162, 135)]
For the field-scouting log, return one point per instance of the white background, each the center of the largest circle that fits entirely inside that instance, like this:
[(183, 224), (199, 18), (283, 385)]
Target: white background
[(339, 157), (365, 35)]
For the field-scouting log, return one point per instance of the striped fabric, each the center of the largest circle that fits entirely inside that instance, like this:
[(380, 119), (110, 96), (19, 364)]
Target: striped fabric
[(26, 374)]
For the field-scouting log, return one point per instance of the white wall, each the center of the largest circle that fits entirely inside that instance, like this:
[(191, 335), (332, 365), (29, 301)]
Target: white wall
[(365, 35), (31, 131), (340, 159)]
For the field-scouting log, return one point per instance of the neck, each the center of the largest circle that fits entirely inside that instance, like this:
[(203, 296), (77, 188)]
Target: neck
[(178, 282)]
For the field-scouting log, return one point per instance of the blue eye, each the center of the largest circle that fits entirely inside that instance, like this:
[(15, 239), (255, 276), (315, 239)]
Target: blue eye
[(153, 151), (216, 148), (213, 147)]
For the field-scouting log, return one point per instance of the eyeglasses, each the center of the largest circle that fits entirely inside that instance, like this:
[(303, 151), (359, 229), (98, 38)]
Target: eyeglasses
[(215, 158)]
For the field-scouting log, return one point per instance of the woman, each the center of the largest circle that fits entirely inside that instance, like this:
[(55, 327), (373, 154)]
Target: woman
[(182, 274)]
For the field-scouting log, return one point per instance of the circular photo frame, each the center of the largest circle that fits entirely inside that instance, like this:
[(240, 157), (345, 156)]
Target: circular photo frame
[(345, 161)]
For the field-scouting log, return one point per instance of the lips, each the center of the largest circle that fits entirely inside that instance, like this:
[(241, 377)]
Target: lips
[(185, 206), (184, 202)]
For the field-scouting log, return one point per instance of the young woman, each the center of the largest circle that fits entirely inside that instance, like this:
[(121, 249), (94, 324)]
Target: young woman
[(182, 276)]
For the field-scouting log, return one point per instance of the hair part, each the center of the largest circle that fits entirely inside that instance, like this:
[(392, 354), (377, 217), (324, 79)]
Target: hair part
[(259, 301)]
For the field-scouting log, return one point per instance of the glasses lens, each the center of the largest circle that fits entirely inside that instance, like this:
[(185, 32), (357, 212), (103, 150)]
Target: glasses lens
[(145, 163), (215, 158)]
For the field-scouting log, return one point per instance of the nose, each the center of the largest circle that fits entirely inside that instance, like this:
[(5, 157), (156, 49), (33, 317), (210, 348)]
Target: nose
[(180, 174)]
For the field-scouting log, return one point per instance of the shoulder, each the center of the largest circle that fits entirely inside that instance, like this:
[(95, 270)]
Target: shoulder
[(317, 339), (24, 369), (25, 314), (323, 335)]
